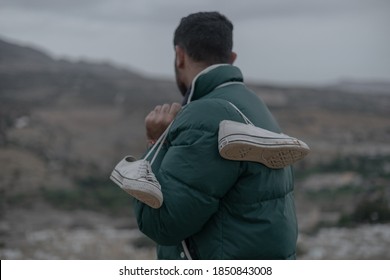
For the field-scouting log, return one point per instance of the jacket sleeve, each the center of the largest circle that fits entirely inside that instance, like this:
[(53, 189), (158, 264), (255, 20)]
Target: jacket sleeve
[(193, 177)]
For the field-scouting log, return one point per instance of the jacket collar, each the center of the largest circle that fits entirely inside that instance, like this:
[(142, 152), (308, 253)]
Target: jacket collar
[(211, 77)]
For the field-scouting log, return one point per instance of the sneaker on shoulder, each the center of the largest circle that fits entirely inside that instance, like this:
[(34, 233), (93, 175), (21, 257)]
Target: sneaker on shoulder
[(246, 142), (137, 179)]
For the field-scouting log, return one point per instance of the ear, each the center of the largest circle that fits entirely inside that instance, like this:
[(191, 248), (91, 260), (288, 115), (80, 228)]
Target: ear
[(233, 57), (180, 57)]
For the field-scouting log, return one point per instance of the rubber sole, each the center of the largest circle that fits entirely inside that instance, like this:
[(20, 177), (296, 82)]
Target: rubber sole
[(149, 199), (275, 157)]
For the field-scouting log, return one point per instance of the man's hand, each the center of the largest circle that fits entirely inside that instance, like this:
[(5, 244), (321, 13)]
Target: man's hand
[(159, 119)]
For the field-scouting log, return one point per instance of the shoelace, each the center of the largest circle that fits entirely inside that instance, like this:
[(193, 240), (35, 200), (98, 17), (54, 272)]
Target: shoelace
[(146, 170), (242, 114)]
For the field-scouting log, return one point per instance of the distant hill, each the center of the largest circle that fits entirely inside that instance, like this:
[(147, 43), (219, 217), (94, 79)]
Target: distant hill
[(13, 55), (30, 75), (363, 87)]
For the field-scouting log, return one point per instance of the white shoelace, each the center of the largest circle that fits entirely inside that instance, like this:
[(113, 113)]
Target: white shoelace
[(149, 175), (242, 114), (158, 144)]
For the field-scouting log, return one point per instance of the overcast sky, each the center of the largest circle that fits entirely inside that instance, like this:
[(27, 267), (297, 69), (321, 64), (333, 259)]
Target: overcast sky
[(277, 41)]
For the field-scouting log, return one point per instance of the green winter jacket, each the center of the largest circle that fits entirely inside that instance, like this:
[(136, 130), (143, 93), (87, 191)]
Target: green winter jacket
[(222, 209)]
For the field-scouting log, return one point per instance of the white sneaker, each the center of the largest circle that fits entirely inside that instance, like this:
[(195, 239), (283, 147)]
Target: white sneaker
[(245, 142), (137, 178)]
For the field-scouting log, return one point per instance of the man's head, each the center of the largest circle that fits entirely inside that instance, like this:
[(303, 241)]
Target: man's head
[(201, 39)]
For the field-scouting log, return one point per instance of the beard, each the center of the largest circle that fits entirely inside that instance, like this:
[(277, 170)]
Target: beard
[(179, 82)]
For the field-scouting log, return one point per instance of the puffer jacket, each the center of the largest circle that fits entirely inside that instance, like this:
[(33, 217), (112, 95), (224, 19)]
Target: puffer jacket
[(222, 209)]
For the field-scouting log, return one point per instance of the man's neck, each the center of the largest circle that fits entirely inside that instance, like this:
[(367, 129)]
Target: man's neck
[(193, 70)]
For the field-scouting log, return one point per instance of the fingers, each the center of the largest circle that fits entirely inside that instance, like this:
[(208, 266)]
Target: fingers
[(174, 109), (167, 109), (159, 119)]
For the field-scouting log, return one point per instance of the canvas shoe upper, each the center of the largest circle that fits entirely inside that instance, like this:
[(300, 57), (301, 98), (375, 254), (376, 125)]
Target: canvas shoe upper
[(137, 178), (246, 142)]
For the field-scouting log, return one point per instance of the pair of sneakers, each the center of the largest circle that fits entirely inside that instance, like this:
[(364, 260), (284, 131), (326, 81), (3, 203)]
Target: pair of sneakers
[(236, 141)]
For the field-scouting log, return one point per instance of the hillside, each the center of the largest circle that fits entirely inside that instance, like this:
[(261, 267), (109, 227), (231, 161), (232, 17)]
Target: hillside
[(64, 124)]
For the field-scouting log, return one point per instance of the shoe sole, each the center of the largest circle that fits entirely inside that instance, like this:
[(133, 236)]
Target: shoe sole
[(151, 196), (272, 156), (153, 200)]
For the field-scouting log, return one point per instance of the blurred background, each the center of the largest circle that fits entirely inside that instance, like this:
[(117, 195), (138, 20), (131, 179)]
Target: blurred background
[(77, 79)]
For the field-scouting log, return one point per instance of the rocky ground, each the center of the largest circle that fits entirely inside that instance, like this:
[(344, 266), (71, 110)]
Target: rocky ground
[(79, 234), (364, 242), (84, 234)]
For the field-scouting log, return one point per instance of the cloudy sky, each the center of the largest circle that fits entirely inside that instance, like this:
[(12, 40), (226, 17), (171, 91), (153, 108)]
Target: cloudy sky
[(277, 41)]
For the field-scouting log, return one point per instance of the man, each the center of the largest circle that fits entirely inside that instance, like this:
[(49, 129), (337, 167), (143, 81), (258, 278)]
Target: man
[(214, 208)]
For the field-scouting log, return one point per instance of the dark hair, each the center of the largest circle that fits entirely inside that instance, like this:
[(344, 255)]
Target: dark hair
[(206, 37)]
